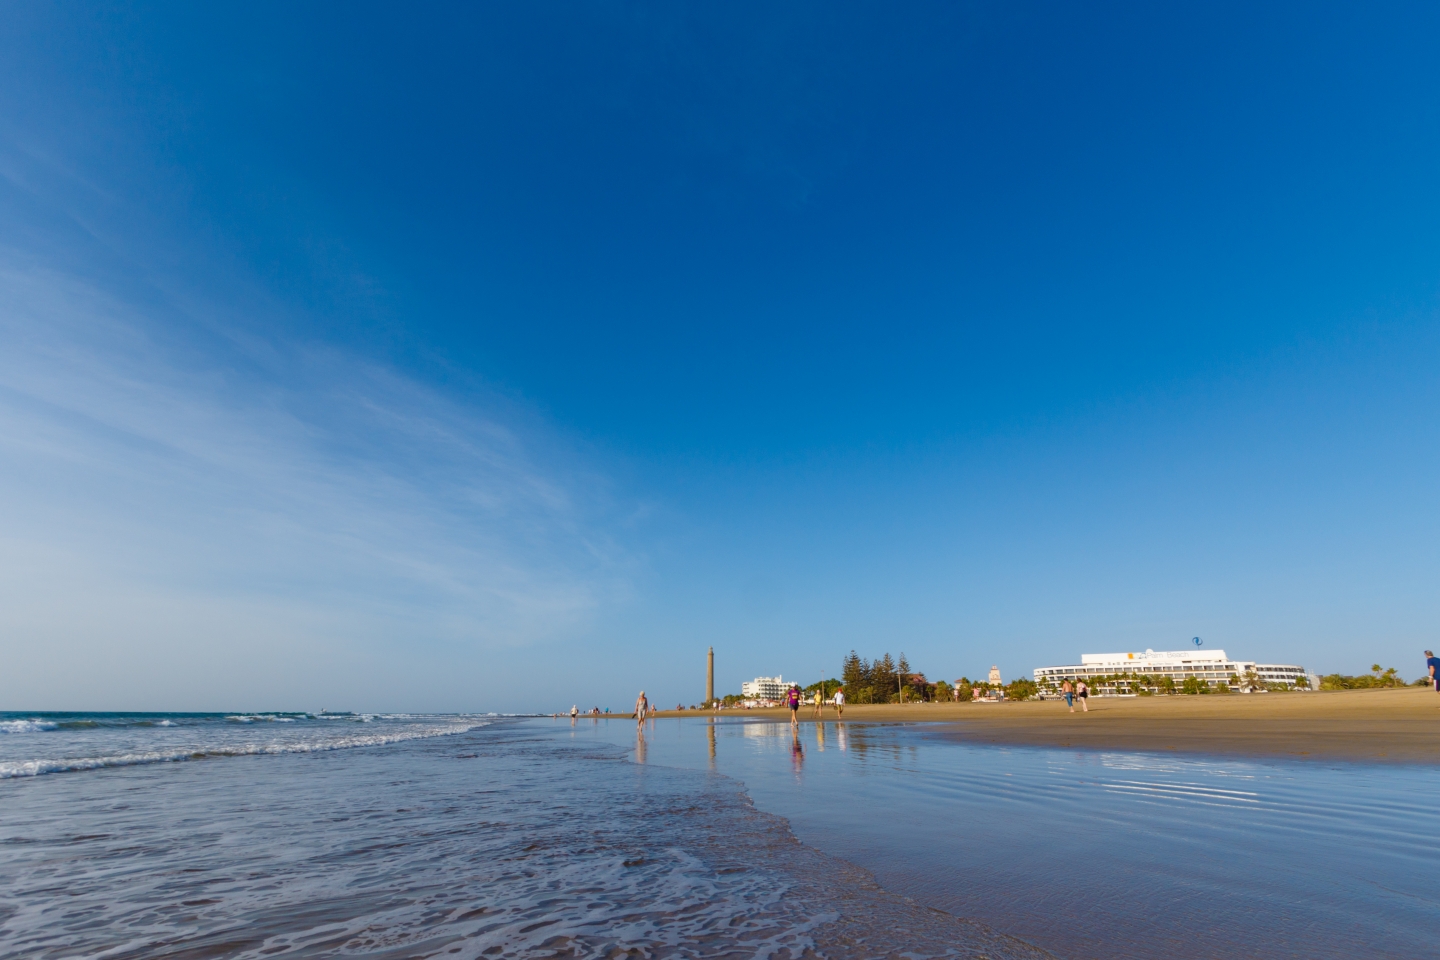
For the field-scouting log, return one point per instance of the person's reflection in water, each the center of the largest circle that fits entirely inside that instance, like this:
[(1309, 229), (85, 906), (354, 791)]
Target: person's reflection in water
[(842, 735), (797, 752), (639, 743), (710, 735), (820, 737)]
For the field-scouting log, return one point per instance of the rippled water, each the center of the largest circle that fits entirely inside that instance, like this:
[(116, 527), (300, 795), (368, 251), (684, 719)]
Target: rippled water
[(1101, 854), (38, 744), (436, 837), (422, 836)]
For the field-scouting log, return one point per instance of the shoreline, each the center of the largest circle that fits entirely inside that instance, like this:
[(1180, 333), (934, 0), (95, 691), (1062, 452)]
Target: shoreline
[(1376, 726)]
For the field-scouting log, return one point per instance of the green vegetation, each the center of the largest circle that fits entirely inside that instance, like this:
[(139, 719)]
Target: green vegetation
[(1021, 689), (1374, 679), (885, 681)]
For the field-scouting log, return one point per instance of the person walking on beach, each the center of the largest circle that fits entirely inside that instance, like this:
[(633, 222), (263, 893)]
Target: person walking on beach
[(1083, 692), (1068, 689), (1432, 663), (641, 707), (819, 705), (792, 700), (839, 703), (574, 711)]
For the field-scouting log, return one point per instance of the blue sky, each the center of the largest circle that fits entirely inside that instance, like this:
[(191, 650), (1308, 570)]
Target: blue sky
[(508, 356)]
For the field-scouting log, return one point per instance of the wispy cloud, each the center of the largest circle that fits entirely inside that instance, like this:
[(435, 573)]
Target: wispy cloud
[(295, 486)]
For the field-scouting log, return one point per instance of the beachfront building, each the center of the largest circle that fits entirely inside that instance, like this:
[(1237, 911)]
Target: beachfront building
[(764, 688), (1123, 673)]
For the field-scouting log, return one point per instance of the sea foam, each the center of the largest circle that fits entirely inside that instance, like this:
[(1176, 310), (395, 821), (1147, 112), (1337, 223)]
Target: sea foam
[(41, 766), (25, 726)]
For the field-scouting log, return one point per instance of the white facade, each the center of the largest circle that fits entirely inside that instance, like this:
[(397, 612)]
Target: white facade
[(1207, 666), (764, 688)]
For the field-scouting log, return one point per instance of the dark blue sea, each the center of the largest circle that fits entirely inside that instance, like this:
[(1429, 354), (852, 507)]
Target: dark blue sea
[(279, 835)]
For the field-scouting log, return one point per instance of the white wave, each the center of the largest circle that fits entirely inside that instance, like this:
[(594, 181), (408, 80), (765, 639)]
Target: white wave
[(39, 767), (165, 723), (25, 726)]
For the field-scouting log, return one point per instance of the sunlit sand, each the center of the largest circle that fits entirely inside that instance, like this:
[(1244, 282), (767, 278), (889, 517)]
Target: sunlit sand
[(1401, 725)]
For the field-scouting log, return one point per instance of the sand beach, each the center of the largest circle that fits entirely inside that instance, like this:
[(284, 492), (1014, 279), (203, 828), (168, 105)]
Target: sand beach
[(1395, 726)]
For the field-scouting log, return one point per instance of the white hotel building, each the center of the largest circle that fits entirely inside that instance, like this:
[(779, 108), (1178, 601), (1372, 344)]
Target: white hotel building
[(1208, 666), (764, 688)]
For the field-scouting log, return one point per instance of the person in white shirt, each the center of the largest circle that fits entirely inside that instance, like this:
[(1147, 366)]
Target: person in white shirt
[(839, 704)]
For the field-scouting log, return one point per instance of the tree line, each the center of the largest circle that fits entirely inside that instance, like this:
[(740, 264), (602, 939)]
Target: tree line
[(890, 680), (879, 681), (1388, 677)]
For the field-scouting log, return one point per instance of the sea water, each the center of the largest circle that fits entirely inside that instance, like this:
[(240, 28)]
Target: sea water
[(1099, 854), (130, 836), (461, 836)]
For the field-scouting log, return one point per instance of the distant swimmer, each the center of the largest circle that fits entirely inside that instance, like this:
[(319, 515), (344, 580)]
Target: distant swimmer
[(839, 703), (642, 706)]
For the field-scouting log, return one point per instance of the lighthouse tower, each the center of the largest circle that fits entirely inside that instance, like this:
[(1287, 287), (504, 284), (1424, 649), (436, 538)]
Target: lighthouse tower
[(710, 678)]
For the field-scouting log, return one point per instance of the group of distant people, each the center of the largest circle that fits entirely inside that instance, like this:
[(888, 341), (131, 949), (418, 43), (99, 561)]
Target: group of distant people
[(1076, 691), (795, 698)]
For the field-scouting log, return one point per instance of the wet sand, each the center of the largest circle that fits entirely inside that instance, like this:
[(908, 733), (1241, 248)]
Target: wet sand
[(1395, 726)]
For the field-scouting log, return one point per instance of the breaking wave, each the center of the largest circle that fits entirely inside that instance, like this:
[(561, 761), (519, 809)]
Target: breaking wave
[(40, 767), (25, 726)]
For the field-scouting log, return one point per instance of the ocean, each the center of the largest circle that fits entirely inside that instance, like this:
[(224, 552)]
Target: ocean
[(265, 835)]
